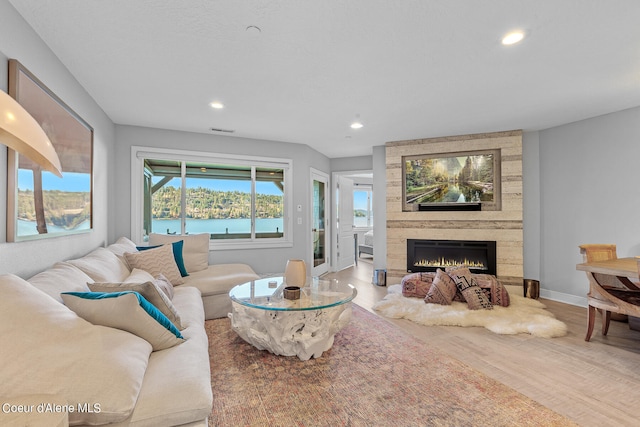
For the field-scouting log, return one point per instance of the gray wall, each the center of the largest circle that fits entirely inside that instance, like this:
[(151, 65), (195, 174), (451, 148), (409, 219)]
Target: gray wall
[(19, 41), (262, 260), (580, 181), (589, 179), (347, 164)]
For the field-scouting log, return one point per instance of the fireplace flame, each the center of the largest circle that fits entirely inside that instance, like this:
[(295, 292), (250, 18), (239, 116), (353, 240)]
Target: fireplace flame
[(443, 262)]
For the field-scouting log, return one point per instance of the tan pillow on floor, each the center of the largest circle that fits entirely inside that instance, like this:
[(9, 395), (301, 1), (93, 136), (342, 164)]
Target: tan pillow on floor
[(472, 293), (493, 289), (417, 284), (442, 290)]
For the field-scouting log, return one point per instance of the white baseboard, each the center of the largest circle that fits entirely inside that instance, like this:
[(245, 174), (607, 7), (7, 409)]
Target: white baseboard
[(565, 298)]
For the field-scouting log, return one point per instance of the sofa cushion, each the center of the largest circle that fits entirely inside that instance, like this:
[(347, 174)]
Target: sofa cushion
[(49, 349), (62, 277), (219, 279), (128, 311), (102, 265), (149, 290), (177, 255), (122, 246), (156, 261), (177, 386), (195, 250)]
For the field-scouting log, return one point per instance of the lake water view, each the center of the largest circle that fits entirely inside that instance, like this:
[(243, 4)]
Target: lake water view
[(29, 228), (219, 226)]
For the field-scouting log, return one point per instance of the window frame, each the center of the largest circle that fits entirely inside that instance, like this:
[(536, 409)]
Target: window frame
[(139, 153)]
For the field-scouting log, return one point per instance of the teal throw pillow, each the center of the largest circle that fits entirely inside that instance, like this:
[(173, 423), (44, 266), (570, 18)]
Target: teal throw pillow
[(128, 311)]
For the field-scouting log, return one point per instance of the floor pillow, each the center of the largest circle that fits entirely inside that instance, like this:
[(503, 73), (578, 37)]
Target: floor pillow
[(493, 289), (417, 285), (472, 293)]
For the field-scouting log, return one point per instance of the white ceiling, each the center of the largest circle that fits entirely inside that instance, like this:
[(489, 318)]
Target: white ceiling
[(407, 68)]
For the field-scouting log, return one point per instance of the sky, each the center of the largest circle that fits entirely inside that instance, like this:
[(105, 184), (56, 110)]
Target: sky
[(360, 200), (227, 185), (70, 182)]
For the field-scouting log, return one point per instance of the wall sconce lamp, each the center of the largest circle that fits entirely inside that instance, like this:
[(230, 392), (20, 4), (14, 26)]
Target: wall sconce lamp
[(22, 133)]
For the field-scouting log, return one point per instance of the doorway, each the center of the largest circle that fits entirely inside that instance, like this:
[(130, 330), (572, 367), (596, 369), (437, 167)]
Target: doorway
[(348, 226)]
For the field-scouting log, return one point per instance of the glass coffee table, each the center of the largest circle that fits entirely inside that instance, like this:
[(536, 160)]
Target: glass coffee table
[(302, 327)]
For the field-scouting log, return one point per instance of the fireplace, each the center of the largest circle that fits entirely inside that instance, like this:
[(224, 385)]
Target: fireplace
[(429, 255)]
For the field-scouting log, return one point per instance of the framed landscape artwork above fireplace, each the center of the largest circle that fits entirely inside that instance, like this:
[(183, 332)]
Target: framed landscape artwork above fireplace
[(452, 181)]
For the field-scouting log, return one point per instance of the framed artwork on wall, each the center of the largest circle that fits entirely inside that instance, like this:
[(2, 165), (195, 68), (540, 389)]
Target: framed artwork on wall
[(40, 204), (467, 180)]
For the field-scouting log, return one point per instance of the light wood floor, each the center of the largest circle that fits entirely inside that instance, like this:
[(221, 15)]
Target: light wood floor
[(594, 383)]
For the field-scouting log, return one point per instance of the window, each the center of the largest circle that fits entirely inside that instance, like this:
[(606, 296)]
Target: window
[(362, 206), (239, 200)]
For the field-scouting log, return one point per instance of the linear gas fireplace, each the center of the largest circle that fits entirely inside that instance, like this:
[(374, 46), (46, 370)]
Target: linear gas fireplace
[(429, 255)]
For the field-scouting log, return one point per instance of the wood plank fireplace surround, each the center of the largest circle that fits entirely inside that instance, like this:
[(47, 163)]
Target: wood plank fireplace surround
[(502, 225)]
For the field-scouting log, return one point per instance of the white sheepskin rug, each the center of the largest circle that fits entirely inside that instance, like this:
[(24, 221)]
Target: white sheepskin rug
[(524, 315)]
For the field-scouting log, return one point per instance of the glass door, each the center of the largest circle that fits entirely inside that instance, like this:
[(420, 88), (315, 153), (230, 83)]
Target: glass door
[(319, 237)]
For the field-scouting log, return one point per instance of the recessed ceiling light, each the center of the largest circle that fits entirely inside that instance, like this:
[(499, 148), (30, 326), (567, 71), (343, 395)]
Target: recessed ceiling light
[(356, 125), (217, 105), (512, 38)]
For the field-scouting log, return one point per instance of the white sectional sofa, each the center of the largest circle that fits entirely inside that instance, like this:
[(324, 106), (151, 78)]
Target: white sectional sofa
[(108, 371), (214, 281)]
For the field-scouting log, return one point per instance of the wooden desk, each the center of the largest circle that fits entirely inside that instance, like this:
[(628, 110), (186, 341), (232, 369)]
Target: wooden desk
[(608, 281)]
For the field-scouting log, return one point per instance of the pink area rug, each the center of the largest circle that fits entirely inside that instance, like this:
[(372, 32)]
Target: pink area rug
[(374, 375)]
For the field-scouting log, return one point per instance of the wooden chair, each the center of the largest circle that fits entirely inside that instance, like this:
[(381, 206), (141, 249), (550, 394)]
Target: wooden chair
[(607, 293)]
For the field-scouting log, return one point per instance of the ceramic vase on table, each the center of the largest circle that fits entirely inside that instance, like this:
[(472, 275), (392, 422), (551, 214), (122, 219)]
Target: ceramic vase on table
[(295, 274)]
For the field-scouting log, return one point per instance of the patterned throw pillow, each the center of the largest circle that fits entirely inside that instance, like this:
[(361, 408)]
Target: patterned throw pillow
[(177, 255), (493, 289), (195, 251), (442, 290), (156, 261), (472, 293), (417, 285)]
